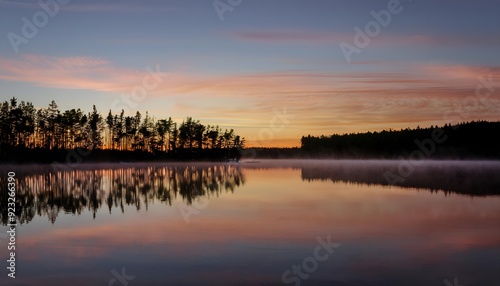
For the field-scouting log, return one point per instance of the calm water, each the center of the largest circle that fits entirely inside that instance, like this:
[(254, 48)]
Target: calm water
[(250, 223)]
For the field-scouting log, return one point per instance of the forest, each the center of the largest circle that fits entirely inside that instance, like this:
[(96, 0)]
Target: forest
[(48, 135), (45, 135), (468, 140)]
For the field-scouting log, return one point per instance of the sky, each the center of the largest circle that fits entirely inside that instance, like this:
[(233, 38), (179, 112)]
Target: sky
[(273, 70)]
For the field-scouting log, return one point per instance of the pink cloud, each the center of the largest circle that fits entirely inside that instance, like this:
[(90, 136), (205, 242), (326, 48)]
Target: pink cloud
[(314, 37), (461, 72), (280, 36), (70, 72), (102, 75)]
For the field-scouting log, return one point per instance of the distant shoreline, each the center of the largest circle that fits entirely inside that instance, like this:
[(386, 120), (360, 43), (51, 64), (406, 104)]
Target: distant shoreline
[(466, 141)]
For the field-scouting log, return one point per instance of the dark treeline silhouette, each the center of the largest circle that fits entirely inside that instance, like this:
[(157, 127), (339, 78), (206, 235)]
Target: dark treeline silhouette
[(272, 153), (48, 193), (42, 135), (471, 140)]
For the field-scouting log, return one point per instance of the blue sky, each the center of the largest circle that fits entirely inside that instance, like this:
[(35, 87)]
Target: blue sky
[(265, 55)]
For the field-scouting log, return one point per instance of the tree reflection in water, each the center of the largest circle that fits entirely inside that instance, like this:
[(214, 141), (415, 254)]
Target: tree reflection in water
[(48, 193), (471, 178)]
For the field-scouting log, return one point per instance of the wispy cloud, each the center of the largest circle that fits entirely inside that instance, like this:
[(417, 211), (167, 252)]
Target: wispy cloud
[(315, 36), (21, 4), (116, 8), (451, 40), (69, 72), (95, 7), (102, 75), (285, 36)]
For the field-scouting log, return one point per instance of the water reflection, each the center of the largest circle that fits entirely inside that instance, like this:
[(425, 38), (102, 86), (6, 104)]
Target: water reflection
[(44, 192), (468, 178), (48, 193), (473, 178), (388, 236)]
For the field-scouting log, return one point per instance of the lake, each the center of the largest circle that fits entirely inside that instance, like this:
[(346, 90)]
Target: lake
[(268, 222)]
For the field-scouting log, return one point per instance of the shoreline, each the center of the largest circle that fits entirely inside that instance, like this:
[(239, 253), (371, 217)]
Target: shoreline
[(282, 162)]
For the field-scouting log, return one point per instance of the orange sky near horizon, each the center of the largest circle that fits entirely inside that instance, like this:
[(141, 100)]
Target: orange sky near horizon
[(277, 109)]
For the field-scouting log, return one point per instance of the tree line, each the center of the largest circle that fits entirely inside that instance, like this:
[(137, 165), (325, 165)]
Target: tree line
[(22, 125), (476, 139)]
